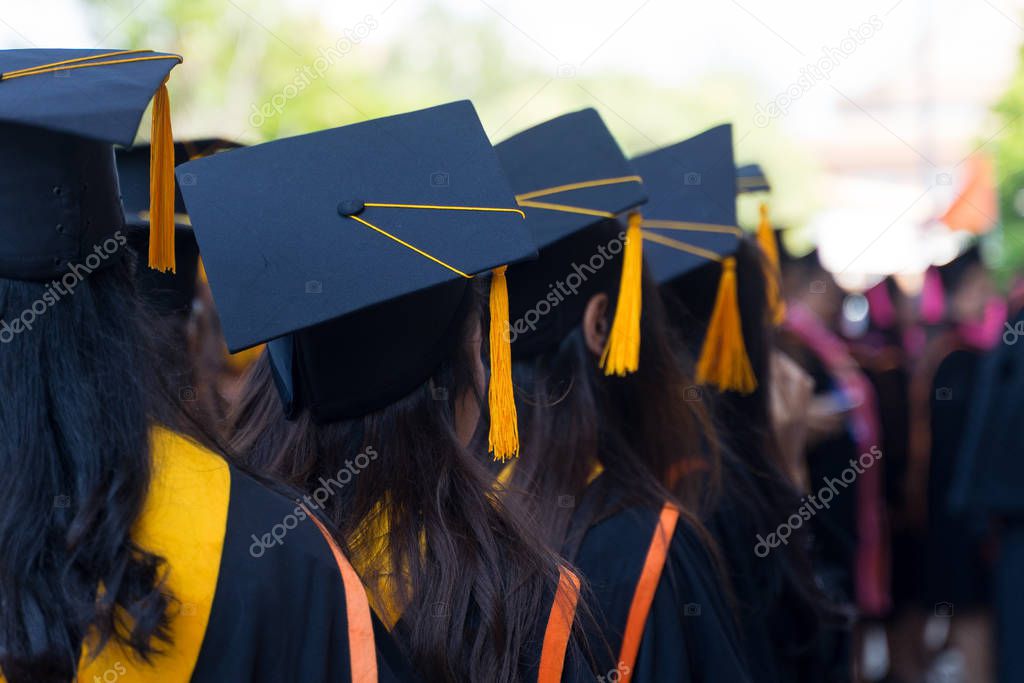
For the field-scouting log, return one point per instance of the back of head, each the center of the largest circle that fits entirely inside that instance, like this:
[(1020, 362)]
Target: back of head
[(74, 470), (640, 429), (74, 414)]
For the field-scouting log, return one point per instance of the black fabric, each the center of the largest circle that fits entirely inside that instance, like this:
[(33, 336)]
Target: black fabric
[(1010, 603), (547, 296), (355, 365), (279, 256), (835, 528), (59, 199), (133, 172), (884, 365), (751, 178), (953, 273), (102, 103), (167, 293), (990, 473), (689, 633), (58, 189), (693, 181), (784, 642), (279, 616), (959, 570), (571, 148)]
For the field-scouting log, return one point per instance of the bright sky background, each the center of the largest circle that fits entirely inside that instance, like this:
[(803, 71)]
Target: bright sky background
[(958, 53)]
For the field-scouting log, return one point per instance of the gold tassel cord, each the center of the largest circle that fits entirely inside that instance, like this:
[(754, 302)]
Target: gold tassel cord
[(161, 171), (622, 353), (723, 359), (161, 185), (503, 439), (766, 239)]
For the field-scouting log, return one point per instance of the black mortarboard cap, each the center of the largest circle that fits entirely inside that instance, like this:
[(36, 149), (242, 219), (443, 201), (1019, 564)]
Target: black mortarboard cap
[(353, 248), (571, 179), (690, 222), (690, 216), (167, 293), (61, 111), (750, 178)]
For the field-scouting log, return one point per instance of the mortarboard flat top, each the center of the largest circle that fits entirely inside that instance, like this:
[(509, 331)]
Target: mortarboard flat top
[(690, 217), (575, 152), (750, 178), (61, 111), (283, 253), (96, 94)]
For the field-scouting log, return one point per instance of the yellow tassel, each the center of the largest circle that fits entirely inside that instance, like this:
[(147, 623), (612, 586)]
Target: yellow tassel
[(161, 185), (723, 360), (766, 238), (503, 439), (622, 353)]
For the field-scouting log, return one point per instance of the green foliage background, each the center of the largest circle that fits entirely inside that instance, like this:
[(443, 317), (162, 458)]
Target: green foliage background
[(239, 54)]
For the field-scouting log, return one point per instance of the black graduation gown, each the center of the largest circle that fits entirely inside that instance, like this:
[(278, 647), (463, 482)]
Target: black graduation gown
[(958, 570), (689, 633), (989, 479), (783, 643), (885, 366), (262, 595), (834, 528)]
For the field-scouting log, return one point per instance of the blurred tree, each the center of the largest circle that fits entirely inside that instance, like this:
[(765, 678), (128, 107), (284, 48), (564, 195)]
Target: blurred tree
[(1009, 146), (259, 69)]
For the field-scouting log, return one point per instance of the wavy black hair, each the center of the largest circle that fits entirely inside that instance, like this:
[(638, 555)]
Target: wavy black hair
[(74, 473), (477, 579)]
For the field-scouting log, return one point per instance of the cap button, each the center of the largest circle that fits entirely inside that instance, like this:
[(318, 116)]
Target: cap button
[(350, 207)]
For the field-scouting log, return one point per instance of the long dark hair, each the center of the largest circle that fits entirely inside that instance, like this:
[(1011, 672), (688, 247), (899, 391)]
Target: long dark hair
[(653, 441), (753, 473), (474, 579), (74, 472)]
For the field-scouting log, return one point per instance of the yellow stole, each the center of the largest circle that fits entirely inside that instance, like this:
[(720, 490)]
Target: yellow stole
[(184, 521)]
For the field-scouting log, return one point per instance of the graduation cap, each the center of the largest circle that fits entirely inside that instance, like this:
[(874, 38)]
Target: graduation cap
[(750, 179), (351, 250), (168, 293), (61, 111), (690, 221), (570, 176)]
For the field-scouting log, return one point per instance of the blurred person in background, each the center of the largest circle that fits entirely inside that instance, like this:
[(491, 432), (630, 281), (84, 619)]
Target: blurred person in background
[(852, 544), (956, 572)]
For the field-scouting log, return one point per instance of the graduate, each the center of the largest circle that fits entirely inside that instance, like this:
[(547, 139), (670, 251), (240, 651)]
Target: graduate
[(716, 285), (130, 551), (190, 345), (958, 548), (852, 543), (986, 486), (369, 258), (615, 461)]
